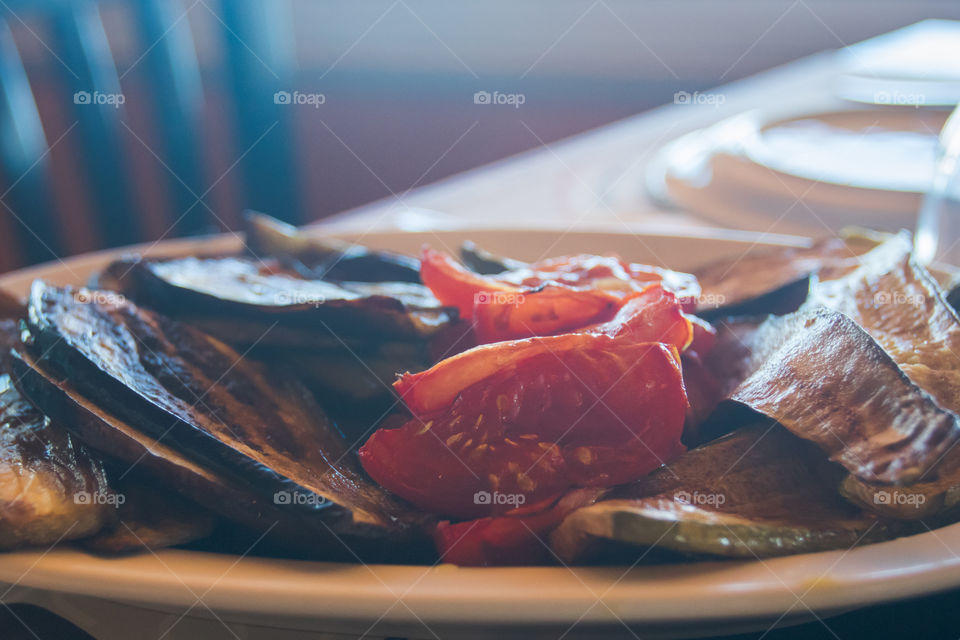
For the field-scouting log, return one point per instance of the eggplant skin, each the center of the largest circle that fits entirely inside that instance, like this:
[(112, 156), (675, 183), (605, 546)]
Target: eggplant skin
[(324, 258), (51, 487), (247, 289), (486, 263), (775, 280), (224, 413), (336, 537)]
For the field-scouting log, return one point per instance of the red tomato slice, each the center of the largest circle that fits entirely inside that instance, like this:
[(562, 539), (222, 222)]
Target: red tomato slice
[(467, 478), (704, 336), (550, 310), (607, 409), (513, 539), (548, 297), (453, 284), (653, 315)]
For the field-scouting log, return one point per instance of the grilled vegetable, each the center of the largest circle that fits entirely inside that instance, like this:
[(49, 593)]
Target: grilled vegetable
[(117, 440), (486, 263), (774, 280), (899, 304), (354, 386), (324, 258), (826, 380), (532, 418), (548, 297), (514, 539), (246, 290), (51, 487), (758, 492), (150, 517), (223, 414)]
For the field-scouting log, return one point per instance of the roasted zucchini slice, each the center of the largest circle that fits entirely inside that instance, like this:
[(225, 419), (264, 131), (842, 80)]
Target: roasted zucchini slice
[(755, 493)]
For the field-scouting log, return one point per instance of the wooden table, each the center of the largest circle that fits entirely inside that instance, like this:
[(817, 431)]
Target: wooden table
[(594, 180)]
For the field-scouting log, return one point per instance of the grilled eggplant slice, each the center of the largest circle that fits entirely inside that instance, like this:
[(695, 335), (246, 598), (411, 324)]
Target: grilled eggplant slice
[(246, 289), (486, 263), (150, 518), (775, 280), (51, 488), (900, 305), (757, 492), (120, 442), (827, 381), (199, 397), (324, 258)]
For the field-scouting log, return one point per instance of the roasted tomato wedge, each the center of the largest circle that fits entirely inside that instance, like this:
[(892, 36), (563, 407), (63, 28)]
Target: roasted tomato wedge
[(548, 297), (516, 538), (546, 311), (550, 413), (653, 315)]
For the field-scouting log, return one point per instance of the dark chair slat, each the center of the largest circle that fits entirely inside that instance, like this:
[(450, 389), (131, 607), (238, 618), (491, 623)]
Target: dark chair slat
[(170, 63), (89, 77), (25, 164), (261, 58)]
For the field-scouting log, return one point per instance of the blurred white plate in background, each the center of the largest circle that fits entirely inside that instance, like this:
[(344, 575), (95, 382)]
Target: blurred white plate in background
[(806, 175)]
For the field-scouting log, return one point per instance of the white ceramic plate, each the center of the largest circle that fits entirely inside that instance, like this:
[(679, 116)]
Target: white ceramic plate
[(181, 594), (805, 174)]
